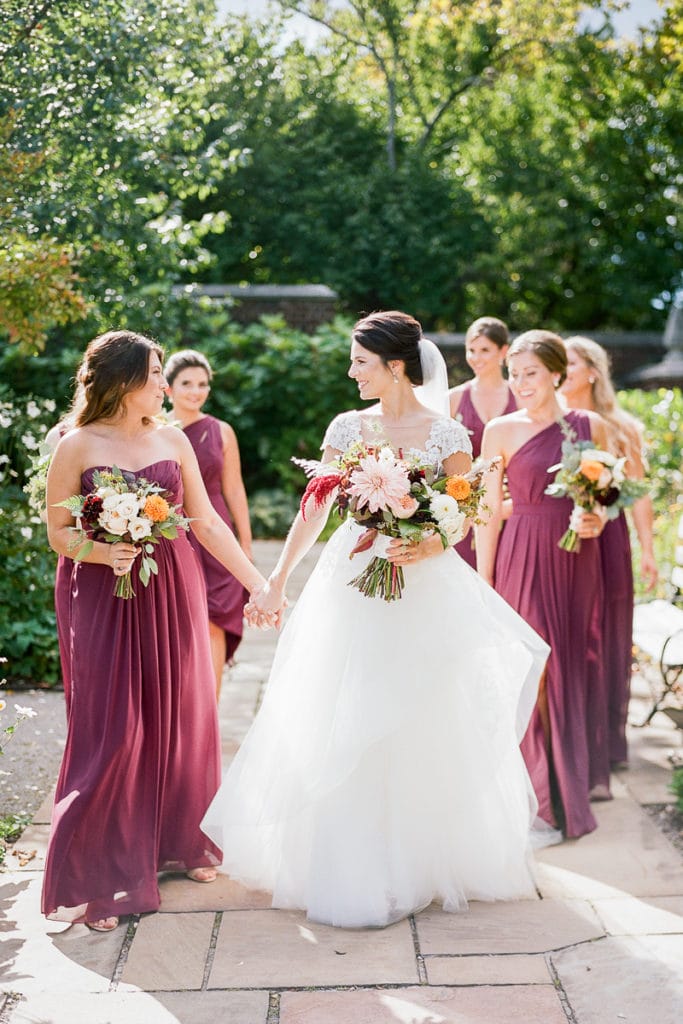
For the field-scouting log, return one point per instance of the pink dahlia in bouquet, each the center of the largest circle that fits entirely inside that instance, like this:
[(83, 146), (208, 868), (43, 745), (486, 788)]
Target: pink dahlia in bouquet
[(123, 507), (393, 496), (595, 480)]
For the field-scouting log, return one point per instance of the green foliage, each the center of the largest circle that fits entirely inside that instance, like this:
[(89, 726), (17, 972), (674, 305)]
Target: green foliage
[(661, 413), (28, 636), (277, 387), (119, 135), (676, 787), (11, 827)]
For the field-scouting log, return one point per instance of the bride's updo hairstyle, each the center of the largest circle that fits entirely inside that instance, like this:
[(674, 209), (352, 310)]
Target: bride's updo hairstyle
[(547, 347), (114, 364), (392, 335)]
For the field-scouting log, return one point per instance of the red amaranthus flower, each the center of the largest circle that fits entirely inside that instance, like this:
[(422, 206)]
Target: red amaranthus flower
[(319, 488)]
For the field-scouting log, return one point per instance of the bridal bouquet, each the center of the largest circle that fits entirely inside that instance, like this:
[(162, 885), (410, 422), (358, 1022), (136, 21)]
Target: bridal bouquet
[(393, 496), (123, 507), (594, 480)]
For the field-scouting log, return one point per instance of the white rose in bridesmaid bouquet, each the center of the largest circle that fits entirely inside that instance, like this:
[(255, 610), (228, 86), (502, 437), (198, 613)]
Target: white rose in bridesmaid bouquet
[(139, 528), (125, 505), (113, 522)]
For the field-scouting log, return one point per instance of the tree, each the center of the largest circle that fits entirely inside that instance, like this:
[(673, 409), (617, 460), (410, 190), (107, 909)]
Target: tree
[(38, 286), (577, 168), (427, 54), (112, 96)]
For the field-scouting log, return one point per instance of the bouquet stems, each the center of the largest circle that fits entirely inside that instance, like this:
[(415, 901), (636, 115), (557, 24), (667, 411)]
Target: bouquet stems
[(380, 578), (570, 541), (124, 587)]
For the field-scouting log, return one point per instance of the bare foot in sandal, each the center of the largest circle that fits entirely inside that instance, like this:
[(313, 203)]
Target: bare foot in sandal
[(202, 874), (105, 924)]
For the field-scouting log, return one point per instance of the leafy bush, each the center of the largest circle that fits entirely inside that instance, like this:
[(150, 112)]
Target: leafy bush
[(661, 413), (28, 637), (278, 387), (676, 787)]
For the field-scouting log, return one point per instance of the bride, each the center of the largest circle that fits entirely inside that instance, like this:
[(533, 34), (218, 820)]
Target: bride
[(383, 771)]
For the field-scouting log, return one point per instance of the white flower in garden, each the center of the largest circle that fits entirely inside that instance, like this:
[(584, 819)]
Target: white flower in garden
[(29, 441), (26, 532), (25, 712), (32, 410)]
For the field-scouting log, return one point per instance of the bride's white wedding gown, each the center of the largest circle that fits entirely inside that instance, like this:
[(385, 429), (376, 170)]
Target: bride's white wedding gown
[(383, 769)]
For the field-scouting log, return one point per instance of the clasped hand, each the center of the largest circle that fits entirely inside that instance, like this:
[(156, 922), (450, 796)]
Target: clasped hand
[(265, 607)]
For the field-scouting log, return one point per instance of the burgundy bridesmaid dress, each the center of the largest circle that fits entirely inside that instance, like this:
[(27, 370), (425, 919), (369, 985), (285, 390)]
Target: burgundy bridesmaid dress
[(226, 595), (142, 757), (617, 627), (62, 614), (558, 593), (470, 418)]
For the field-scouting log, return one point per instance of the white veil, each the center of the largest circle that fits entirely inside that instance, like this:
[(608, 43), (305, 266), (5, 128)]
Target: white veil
[(433, 392)]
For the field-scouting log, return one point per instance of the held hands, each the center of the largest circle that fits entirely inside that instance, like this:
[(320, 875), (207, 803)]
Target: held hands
[(122, 556), (265, 607)]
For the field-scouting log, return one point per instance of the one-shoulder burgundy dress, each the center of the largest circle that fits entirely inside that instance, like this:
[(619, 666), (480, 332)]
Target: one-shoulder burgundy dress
[(559, 593)]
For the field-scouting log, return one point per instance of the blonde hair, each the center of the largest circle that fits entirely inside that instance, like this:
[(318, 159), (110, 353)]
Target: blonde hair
[(626, 428)]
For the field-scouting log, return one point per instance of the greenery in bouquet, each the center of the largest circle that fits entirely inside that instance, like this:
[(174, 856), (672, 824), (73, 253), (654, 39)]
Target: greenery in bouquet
[(594, 479), (394, 496), (123, 507)]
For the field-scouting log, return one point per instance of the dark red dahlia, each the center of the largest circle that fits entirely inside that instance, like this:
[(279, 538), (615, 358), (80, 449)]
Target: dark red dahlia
[(92, 506), (607, 497)]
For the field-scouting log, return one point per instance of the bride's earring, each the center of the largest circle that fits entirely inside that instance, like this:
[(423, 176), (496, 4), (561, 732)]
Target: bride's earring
[(591, 380)]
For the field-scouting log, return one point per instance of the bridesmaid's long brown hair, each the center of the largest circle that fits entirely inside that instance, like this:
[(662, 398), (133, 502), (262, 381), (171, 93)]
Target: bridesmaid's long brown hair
[(114, 364)]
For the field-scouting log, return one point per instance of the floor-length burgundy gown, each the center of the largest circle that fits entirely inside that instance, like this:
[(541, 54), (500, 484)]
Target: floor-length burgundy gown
[(617, 627), (226, 595), (62, 614), (557, 592), (142, 757), (471, 420)]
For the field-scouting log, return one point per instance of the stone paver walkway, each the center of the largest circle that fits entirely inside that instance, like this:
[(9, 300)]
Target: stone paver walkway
[(602, 942)]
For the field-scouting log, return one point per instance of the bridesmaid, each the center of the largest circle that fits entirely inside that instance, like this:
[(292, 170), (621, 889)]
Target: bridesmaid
[(588, 386), (188, 375), (554, 590), (142, 756), (485, 396)]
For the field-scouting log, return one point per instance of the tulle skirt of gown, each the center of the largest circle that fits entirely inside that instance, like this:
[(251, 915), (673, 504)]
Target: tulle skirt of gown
[(383, 770)]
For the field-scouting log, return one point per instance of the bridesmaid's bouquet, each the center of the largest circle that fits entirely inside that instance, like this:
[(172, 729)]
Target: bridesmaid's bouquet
[(393, 496), (123, 507), (595, 481)]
